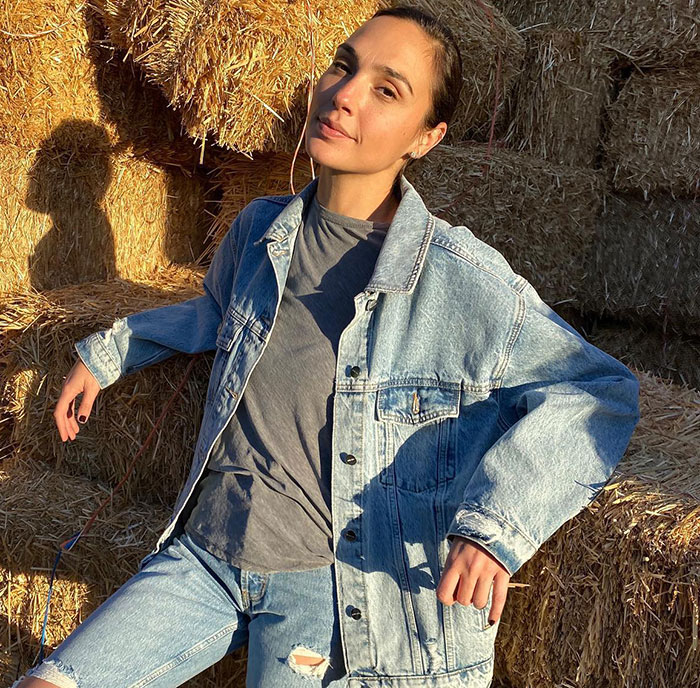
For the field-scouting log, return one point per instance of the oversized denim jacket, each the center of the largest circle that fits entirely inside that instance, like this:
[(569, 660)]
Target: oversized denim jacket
[(463, 405)]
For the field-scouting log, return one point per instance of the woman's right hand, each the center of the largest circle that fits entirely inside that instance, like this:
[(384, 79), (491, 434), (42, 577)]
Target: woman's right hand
[(78, 381)]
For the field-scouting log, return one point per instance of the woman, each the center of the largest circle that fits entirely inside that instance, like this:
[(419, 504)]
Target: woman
[(420, 423)]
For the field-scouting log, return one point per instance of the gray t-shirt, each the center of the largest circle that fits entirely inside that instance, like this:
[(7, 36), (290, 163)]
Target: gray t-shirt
[(263, 503)]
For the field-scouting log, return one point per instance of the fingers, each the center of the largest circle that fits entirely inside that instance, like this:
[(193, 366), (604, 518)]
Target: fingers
[(89, 396), (498, 600), (447, 586), (470, 572), (64, 415), (465, 589)]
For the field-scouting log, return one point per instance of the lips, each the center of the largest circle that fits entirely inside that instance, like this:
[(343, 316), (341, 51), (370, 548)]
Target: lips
[(333, 126)]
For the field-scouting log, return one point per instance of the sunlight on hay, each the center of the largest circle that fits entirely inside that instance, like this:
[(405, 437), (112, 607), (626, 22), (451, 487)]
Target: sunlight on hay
[(239, 73), (73, 215), (620, 580), (55, 62), (40, 508), (37, 334), (242, 180)]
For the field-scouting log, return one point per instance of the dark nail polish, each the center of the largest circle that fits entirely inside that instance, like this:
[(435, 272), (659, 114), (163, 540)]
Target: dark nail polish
[(492, 622), (82, 419)]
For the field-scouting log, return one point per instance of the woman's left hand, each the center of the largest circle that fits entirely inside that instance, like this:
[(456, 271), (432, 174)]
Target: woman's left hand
[(467, 577)]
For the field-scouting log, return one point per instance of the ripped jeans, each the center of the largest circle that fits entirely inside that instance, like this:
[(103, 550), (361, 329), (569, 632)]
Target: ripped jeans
[(186, 609)]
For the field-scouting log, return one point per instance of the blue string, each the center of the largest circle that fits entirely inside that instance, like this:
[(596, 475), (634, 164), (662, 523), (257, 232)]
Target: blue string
[(72, 541)]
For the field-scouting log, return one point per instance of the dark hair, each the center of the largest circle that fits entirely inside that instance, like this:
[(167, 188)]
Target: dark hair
[(448, 63)]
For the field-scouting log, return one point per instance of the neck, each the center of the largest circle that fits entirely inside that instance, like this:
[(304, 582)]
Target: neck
[(365, 197)]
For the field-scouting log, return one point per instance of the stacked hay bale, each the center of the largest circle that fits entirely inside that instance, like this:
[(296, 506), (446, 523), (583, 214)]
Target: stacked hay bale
[(39, 330), (591, 193), (76, 185), (541, 216), (209, 58), (612, 597), (554, 96), (103, 214), (100, 561), (642, 266)]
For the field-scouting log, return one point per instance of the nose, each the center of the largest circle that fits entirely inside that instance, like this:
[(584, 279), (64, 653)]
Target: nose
[(346, 93)]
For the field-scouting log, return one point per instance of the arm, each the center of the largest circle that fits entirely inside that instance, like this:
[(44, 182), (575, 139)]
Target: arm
[(142, 339), (570, 409)]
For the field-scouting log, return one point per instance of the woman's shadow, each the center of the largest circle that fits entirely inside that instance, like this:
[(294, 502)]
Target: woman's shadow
[(68, 180)]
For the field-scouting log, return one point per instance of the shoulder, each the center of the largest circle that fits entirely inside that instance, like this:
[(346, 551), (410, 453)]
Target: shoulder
[(478, 259)]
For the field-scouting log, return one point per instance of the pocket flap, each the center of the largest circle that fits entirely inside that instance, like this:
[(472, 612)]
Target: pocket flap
[(417, 404), (228, 329)]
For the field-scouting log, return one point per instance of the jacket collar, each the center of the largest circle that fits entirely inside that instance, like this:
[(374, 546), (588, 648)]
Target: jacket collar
[(402, 254)]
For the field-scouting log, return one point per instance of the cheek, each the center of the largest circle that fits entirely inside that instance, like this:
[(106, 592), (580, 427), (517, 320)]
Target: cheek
[(384, 133)]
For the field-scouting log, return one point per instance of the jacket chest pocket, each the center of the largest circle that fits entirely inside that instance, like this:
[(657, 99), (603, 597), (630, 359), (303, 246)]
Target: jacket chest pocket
[(417, 434), (228, 333)]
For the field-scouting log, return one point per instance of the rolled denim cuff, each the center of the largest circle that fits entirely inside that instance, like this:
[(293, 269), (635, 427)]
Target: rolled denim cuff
[(94, 353), (488, 529)]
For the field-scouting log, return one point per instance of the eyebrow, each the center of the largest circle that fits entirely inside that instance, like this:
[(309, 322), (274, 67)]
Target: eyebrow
[(384, 68)]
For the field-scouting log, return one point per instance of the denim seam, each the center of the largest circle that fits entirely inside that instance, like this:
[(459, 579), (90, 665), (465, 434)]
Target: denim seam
[(515, 333), (183, 656), (107, 356), (459, 251), (422, 250)]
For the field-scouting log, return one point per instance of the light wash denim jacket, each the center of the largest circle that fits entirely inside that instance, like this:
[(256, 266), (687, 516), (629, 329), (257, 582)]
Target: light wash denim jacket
[(463, 405)]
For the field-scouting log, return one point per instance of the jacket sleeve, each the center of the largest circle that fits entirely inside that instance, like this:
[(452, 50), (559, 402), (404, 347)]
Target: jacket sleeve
[(570, 410), (142, 339)]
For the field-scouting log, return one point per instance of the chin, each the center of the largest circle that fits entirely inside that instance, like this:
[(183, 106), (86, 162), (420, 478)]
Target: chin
[(326, 158)]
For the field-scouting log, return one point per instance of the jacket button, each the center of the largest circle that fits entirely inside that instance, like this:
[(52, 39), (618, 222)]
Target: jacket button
[(350, 535), (356, 613), (371, 305), (350, 458), (354, 371)]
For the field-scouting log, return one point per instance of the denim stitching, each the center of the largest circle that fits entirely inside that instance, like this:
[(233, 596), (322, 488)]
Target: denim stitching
[(184, 656)]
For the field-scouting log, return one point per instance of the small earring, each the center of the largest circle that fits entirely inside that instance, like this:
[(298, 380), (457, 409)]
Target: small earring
[(413, 154)]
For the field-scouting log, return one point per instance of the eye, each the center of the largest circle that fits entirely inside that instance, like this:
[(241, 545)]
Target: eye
[(391, 93)]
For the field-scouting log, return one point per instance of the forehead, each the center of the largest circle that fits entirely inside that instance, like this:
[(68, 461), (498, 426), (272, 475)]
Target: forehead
[(397, 43)]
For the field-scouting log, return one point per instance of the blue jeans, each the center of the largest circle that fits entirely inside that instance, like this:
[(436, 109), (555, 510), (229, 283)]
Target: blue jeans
[(186, 609)]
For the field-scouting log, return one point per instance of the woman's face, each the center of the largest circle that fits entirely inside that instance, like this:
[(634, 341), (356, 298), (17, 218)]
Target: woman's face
[(364, 93)]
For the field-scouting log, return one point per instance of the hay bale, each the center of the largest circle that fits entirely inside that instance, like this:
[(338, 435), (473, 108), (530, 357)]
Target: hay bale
[(239, 73), (653, 142), (669, 355), (37, 332), (611, 598), (75, 209), (643, 33), (55, 65), (540, 216), (238, 180), (41, 508), (484, 37), (644, 263), (555, 107)]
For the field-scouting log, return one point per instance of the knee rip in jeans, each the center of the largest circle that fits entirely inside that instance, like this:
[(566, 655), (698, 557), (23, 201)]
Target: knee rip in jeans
[(307, 662), (54, 671)]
